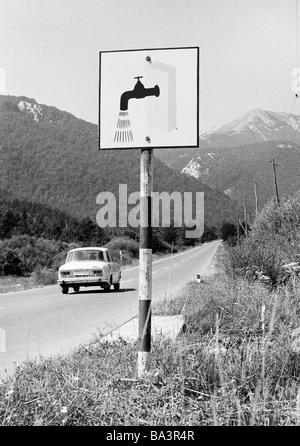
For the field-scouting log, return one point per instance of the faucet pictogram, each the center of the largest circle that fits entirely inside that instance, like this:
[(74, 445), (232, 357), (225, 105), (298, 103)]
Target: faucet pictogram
[(123, 132), (139, 92)]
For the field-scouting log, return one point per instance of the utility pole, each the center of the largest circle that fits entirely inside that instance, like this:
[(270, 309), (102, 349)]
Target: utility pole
[(145, 263), (275, 181), (245, 217), (256, 201), (238, 227)]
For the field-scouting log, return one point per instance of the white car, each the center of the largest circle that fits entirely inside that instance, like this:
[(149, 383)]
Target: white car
[(89, 267)]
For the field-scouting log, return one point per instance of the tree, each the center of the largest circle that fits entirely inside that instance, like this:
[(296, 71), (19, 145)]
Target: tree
[(8, 224), (11, 264), (209, 234), (228, 230)]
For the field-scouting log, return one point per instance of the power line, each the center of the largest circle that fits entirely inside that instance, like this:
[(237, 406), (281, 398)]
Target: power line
[(245, 217), (255, 193)]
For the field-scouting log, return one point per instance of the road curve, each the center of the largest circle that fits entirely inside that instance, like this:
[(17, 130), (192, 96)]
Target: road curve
[(44, 322)]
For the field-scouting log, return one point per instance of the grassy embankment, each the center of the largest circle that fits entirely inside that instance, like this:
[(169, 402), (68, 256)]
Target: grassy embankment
[(232, 365)]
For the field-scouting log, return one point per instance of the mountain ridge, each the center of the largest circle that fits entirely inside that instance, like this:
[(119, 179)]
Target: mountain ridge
[(231, 156), (256, 126)]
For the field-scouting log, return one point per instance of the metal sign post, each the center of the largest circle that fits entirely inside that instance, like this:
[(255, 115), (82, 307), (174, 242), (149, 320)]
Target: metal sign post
[(145, 266), (148, 99)]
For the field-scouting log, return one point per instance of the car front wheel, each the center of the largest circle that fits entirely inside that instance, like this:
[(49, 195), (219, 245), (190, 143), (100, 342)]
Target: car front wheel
[(65, 290)]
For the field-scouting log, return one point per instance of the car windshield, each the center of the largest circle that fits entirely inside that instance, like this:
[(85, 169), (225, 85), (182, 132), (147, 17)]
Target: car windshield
[(84, 255)]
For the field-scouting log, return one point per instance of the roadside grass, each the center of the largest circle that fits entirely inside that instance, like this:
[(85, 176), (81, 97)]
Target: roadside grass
[(39, 278), (233, 364), (16, 283)]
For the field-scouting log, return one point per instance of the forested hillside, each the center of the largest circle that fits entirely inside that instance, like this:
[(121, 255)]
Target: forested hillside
[(22, 217), (233, 170), (232, 156)]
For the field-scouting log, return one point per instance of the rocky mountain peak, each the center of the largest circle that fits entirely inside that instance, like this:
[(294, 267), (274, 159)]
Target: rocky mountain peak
[(261, 124)]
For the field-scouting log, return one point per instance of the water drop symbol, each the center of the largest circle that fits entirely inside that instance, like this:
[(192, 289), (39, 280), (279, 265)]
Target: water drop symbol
[(123, 133)]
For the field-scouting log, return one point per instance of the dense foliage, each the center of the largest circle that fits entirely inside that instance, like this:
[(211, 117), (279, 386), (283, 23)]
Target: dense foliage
[(23, 254), (35, 237), (274, 242), (20, 217)]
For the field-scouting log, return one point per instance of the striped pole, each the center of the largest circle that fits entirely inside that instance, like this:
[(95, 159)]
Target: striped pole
[(145, 263)]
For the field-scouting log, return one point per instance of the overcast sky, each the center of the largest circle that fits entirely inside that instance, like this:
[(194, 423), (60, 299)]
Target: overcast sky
[(49, 50)]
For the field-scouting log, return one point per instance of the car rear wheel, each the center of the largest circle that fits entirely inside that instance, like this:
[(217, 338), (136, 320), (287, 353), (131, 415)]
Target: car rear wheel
[(107, 286), (117, 286), (65, 290), (76, 288)]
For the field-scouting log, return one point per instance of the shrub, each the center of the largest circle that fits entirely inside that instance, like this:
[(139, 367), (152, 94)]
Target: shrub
[(129, 248), (10, 263), (273, 242), (44, 276), (281, 226), (251, 258), (228, 230), (24, 254), (209, 234)]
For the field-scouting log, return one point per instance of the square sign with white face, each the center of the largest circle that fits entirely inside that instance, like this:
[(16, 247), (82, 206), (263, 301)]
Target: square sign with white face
[(149, 98)]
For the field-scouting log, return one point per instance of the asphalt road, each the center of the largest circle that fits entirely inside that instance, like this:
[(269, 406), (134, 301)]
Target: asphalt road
[(44, 322)]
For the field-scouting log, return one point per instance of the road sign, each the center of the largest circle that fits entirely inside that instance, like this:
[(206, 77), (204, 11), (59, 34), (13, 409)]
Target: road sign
[(149, 98)]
